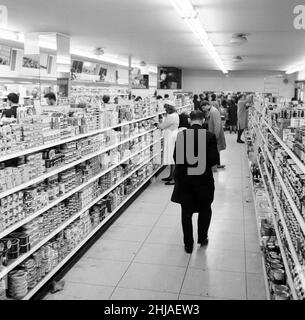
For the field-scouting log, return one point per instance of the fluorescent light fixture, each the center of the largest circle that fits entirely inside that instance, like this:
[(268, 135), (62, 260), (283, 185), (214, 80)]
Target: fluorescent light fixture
[(296, 69), (186, 11)]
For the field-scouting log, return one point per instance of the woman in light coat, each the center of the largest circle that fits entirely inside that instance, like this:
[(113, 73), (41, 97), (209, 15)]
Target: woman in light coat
[(242, 115), (214, 123), (170, 126)]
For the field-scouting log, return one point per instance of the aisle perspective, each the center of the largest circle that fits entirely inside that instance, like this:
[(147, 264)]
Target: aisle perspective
[(144, 248)]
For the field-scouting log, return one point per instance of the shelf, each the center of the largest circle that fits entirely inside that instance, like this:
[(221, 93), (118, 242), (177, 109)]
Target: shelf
[(283, 185), (260, 241), (69, 165), (77, 137), (20, 259), (81, 244), (283, 254), (298, 162), (17, 225), (97, 84)]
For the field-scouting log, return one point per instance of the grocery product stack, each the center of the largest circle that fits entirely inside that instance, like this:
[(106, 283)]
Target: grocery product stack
[(276, 131)]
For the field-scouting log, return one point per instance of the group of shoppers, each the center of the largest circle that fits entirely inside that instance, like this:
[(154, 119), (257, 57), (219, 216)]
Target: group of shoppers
[(233, 109), (195, 193)]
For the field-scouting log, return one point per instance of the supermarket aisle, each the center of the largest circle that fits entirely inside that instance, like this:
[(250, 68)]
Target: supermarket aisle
[(141, 256)]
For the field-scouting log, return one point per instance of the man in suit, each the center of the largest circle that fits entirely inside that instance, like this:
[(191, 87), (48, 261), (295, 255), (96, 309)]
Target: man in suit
[(194, 189)]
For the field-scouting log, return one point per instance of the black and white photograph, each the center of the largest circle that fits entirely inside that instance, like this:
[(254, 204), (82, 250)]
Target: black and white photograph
[(155, 161)]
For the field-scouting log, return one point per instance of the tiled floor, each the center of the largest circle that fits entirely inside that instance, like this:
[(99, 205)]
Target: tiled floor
[(141, 256)]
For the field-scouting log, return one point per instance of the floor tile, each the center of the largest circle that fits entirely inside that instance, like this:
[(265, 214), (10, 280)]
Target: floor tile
[(161, 254), (254, 262), (255, 287), (223, 284), (226, 241), (82, 291), (153, 277), (127, 233), (136, 294), (113, 250), (227, 260), (97, 272), (166, 236), (137, 219)]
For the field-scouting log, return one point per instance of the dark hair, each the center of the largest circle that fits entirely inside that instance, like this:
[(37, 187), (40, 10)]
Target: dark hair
[(195, 97), (204, 103), (196, 115), (13, 97), (166, 96), (106, 98), (183, 120), (138, 99), (159, 97), (213, 97), (50, 96)]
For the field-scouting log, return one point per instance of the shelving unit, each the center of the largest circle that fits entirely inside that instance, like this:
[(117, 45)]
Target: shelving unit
[(279, 216), (82, 243), (14, 263)]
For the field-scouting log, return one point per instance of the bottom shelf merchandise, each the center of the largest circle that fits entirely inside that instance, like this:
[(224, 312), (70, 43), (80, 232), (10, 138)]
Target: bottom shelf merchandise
[(277, 286), (30, 275)]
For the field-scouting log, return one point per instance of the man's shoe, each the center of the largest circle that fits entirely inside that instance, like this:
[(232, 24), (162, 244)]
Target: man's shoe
[(188, 249), (240, 141), (203, 242), (170, 183), (167, 179), (221, 166)]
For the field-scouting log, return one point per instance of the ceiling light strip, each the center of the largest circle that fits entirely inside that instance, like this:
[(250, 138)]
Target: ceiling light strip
[(186, 11)]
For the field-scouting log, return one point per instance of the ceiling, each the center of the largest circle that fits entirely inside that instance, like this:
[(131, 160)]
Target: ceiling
[(151, 30)]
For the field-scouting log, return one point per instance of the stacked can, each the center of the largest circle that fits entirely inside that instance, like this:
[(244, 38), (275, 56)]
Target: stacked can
[(17, 284)]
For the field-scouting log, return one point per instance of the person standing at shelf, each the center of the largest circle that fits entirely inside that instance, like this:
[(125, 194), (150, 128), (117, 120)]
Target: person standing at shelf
[(51, 98), (195, 191), (106, 99), (196, 102), (215, 126), (214, 102), (242, 116), (170, 126), (13, 104), (232, 114)]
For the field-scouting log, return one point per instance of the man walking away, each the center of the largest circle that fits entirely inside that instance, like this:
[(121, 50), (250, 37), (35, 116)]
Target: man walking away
[(195, 192)]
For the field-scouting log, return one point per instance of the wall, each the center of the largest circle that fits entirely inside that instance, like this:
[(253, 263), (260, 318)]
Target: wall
[(301, 75), (199, 81)]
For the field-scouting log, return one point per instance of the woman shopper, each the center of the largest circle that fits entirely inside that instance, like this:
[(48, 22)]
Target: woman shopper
[(170, 126), (232, 115), (242, 116)]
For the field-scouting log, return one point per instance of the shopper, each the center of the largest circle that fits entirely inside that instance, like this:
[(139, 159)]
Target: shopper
[(195, 193), (196, 102), (138, 98), (159, 97), (184, 121), (166, 97), (170, 126), (242, 116), (106, 99), (214, 102), (13, 104), (214, 122), (51, 98), (232, 115)]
